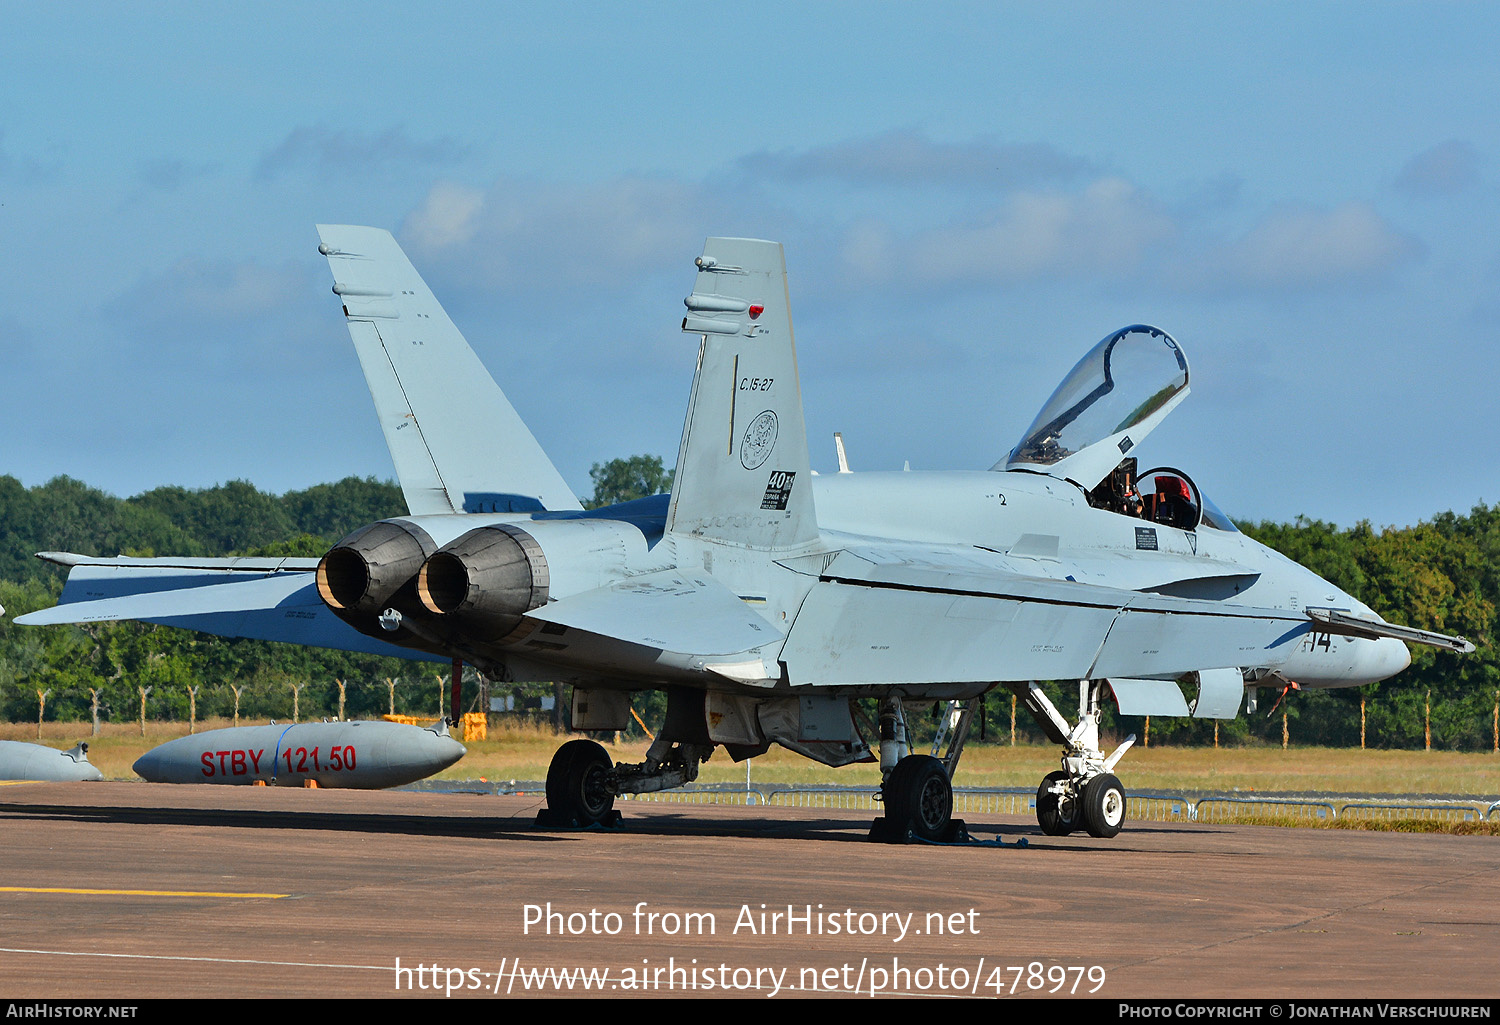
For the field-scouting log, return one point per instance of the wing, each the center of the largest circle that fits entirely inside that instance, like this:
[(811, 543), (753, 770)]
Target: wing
[(930, 615)]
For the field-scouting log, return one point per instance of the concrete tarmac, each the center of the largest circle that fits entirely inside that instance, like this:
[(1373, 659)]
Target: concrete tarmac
[(137, 890)]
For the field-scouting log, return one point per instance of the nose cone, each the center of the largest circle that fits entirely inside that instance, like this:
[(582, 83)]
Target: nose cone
[(1386, 657)]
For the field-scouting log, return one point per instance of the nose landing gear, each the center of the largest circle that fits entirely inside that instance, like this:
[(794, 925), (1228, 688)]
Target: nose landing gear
[(1085, 794)]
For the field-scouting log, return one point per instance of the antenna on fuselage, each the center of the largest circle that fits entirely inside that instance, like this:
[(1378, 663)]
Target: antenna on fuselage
[(838, 444)]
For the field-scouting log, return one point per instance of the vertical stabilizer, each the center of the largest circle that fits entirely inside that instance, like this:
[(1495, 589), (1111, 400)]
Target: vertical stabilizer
[(458, 444), (743, 476)]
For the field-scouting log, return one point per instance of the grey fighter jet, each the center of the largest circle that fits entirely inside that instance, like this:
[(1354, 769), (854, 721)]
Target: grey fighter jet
[(765, 600)]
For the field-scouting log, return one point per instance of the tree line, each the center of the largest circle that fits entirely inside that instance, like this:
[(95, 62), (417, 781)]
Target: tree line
[(1439, 575)]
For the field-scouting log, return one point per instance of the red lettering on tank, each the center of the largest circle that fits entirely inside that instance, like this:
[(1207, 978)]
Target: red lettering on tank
[(255, 759), (208, 763), (221, 755), (237, 759)]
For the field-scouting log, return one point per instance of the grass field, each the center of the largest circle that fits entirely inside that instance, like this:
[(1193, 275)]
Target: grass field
[(524, 752)]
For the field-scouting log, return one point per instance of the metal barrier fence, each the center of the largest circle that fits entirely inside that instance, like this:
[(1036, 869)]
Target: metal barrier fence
[(1227, 809), (1442, 812), (1143, 807), (1160, 808), (693, 796)]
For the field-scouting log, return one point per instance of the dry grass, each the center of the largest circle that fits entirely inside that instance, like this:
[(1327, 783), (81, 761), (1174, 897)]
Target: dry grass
[(1446, 826), (523, 752)]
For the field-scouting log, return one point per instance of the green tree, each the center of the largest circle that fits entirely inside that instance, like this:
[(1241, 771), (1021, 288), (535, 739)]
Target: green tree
[(333, 511), (621, 480)]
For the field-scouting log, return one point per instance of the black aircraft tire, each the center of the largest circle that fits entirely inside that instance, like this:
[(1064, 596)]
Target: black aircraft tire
[(920, 795), (1055, 816), (1103, 806), (577, 782)]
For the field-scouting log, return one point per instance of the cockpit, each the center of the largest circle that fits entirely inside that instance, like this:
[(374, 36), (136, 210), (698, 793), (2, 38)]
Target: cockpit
[(1116, 395)]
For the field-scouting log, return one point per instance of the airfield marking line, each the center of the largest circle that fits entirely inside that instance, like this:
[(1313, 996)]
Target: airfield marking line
[(138, 893), (213, 960), (1270, 929)]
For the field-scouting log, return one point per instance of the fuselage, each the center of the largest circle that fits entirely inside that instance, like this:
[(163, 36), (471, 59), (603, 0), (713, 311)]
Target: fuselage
[(1048, 525), (1041, 527)]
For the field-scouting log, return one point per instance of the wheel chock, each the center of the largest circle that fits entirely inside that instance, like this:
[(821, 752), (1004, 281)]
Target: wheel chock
[(557, 820)]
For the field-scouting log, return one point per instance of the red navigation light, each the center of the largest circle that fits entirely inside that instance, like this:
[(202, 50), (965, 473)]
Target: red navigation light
[(756, 311)]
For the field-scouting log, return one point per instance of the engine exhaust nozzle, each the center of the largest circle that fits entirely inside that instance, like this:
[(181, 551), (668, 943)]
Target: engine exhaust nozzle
[(487, 579), (362, 573)]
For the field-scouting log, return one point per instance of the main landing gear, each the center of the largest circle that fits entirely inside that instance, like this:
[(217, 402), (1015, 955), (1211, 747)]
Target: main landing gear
[(1086, 794), (583, 782), (918, 790), (578, 785)]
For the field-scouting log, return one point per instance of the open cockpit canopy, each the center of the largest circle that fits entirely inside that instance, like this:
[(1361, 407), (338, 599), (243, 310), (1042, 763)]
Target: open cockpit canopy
[(1113, 398)]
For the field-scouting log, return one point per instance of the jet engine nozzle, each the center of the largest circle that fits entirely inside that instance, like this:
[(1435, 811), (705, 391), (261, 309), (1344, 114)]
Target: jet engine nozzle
[(487, 579), (362, 573)]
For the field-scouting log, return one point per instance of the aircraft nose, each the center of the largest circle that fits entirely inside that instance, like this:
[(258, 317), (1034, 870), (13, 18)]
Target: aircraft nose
[(1389, 657)]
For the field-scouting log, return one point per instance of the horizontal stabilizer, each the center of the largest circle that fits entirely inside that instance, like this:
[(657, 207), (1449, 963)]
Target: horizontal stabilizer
[(226, 565), (282, 607), (687, 613), (1349, 625), (259, 594)]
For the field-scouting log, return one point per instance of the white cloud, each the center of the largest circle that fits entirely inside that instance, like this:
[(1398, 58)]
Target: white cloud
[(448, 217), (1109, 228), (1301, 247), (521, 235), (323, 150), (908, 157), (215, 307)]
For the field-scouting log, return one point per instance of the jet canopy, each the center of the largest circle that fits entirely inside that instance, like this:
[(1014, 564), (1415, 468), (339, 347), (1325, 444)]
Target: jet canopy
[(1113, 398)]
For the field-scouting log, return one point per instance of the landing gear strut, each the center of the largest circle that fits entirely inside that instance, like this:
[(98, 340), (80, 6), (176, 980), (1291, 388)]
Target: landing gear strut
[(583, 782), (1085, 794), (917, 790)]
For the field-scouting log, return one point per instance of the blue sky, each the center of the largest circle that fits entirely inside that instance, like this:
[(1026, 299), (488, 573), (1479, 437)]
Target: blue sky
[(971, 195)]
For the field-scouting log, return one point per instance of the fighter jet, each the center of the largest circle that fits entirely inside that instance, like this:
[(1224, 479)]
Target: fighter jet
[(766, 601)]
